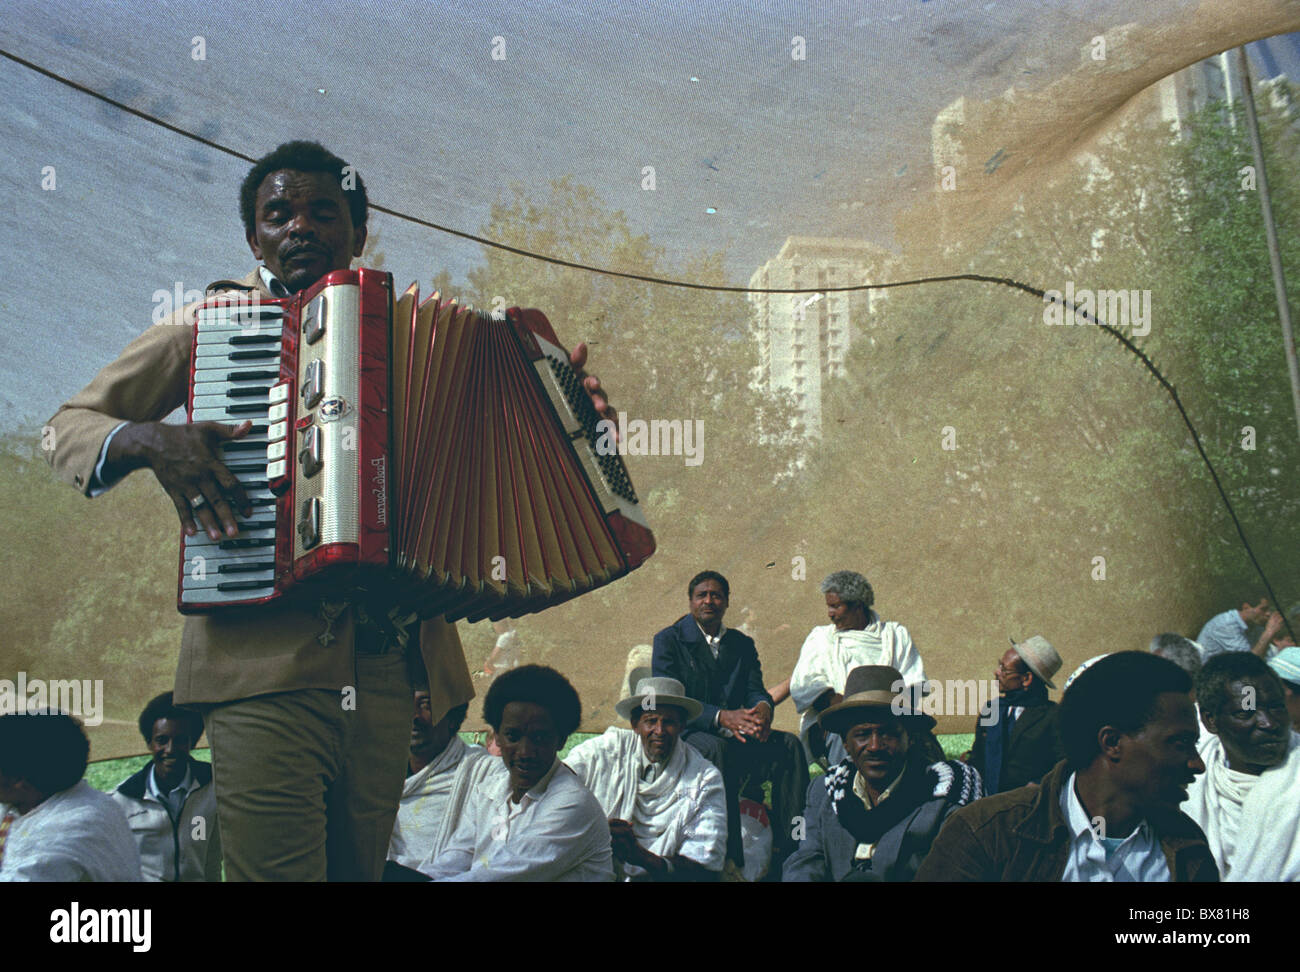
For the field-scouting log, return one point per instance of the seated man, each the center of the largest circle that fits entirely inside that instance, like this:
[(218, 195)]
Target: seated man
[(666, 803), (441, 771), (856, 636), (1227, 631), (1024, 742), (170, 804), (719, 666), (875, 814), (54, 826), (1109, 811), (1248, 800), (531, 819)]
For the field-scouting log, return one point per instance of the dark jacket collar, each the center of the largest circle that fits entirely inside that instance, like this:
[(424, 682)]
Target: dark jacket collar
[(136, 785), (1045, 823)]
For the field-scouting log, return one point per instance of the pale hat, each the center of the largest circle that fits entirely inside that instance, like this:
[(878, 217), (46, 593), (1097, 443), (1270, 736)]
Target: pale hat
[(1084, 667), (1041, 658), (656, 691), (873, 687), (1286, 664)]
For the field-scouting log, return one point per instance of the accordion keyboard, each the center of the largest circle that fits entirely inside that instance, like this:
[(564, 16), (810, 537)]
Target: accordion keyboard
[(237, 360)]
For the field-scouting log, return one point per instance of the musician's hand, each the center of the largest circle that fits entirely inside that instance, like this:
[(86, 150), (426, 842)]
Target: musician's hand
[(599, 399), (186, 461)]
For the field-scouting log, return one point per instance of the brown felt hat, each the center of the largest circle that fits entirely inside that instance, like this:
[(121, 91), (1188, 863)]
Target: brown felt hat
[(875, 687)]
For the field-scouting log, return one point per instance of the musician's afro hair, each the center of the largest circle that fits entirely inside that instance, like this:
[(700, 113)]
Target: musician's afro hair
[(540, 685), (162, 707), (303, 157)]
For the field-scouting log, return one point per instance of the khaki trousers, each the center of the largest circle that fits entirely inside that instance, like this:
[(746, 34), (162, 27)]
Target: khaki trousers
[(307, 790)]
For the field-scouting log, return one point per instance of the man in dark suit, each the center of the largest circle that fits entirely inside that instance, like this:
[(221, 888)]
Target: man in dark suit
[(1023, 743), (719, 666)]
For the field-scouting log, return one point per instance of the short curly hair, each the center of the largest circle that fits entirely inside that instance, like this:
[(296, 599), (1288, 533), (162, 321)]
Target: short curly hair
[(540, 685), (1221, 670), (48, 750), (712, 575), (163, 707), (1119, 690), (301, 156), (852, 588)]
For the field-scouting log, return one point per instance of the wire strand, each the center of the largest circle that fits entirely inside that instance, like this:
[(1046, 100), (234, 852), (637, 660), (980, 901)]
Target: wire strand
[(722, 288)]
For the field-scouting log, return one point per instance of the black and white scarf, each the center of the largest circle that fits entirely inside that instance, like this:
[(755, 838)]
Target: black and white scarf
[(956, 782)]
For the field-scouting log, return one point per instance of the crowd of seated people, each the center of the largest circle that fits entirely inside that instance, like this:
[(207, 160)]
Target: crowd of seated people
[(1178, 763)]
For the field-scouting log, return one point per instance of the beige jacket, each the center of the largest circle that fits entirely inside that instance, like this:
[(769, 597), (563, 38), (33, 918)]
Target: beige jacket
[(239, 654), (188, 849)]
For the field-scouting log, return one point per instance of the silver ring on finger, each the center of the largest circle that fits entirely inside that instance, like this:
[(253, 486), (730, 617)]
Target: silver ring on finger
[(197, 502)]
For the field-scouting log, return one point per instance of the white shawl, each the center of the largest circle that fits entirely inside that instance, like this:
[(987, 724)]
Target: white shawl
[(79, 834), (682, 811), (1252, 824), (827, 657), (432, 802)]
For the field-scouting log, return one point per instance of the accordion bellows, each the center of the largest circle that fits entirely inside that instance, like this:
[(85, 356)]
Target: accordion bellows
[(417, 455)]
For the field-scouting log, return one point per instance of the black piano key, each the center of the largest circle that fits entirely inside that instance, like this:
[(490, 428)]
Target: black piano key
[(253, 355), (246, 568), (246, 543), (243, 585), (246, 467), (254, 339), (252, 375), (238, 445), (253, 392), (257, 525), (248, 408)]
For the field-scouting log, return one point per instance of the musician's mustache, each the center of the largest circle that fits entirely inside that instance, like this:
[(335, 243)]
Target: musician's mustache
[(294, 251)]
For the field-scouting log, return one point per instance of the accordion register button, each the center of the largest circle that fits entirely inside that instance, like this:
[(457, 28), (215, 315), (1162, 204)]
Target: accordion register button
[(313, 385), (278, 413), (278, 430), (276, 471), (276, 450), (309, 523), (278, 393), (313, 321), (310, 454)]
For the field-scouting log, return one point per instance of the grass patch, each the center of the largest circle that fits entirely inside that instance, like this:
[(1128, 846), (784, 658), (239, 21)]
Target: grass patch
[(108, 774)]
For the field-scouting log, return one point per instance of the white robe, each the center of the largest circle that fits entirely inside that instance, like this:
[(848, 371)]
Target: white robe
[(432, 802), (79, 834), (682, 812), (827, 657), (1252, 824)]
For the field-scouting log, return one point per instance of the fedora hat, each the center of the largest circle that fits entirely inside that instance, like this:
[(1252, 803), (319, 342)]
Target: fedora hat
[(1039, 656), (656, 691), (873, 687)]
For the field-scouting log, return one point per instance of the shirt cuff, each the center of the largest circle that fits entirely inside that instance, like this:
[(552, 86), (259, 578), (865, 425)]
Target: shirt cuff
[(97, 485)]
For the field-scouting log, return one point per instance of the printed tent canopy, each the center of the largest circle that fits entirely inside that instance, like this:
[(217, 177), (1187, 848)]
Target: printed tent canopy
[(991, 475)]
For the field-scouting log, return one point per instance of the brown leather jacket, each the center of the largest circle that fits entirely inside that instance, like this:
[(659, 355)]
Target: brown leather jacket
[(1022, 835)]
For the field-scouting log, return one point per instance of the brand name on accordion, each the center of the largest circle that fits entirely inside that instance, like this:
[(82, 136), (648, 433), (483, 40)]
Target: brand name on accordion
[(656, 437), (380, 489)]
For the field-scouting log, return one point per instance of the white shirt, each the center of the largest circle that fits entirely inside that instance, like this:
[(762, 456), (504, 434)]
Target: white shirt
[(432, 802), (79, 834), (557, 832), (1138, 857), (713, 641)]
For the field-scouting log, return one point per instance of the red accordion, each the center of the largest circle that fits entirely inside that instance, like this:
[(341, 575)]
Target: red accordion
[(423, 453)]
